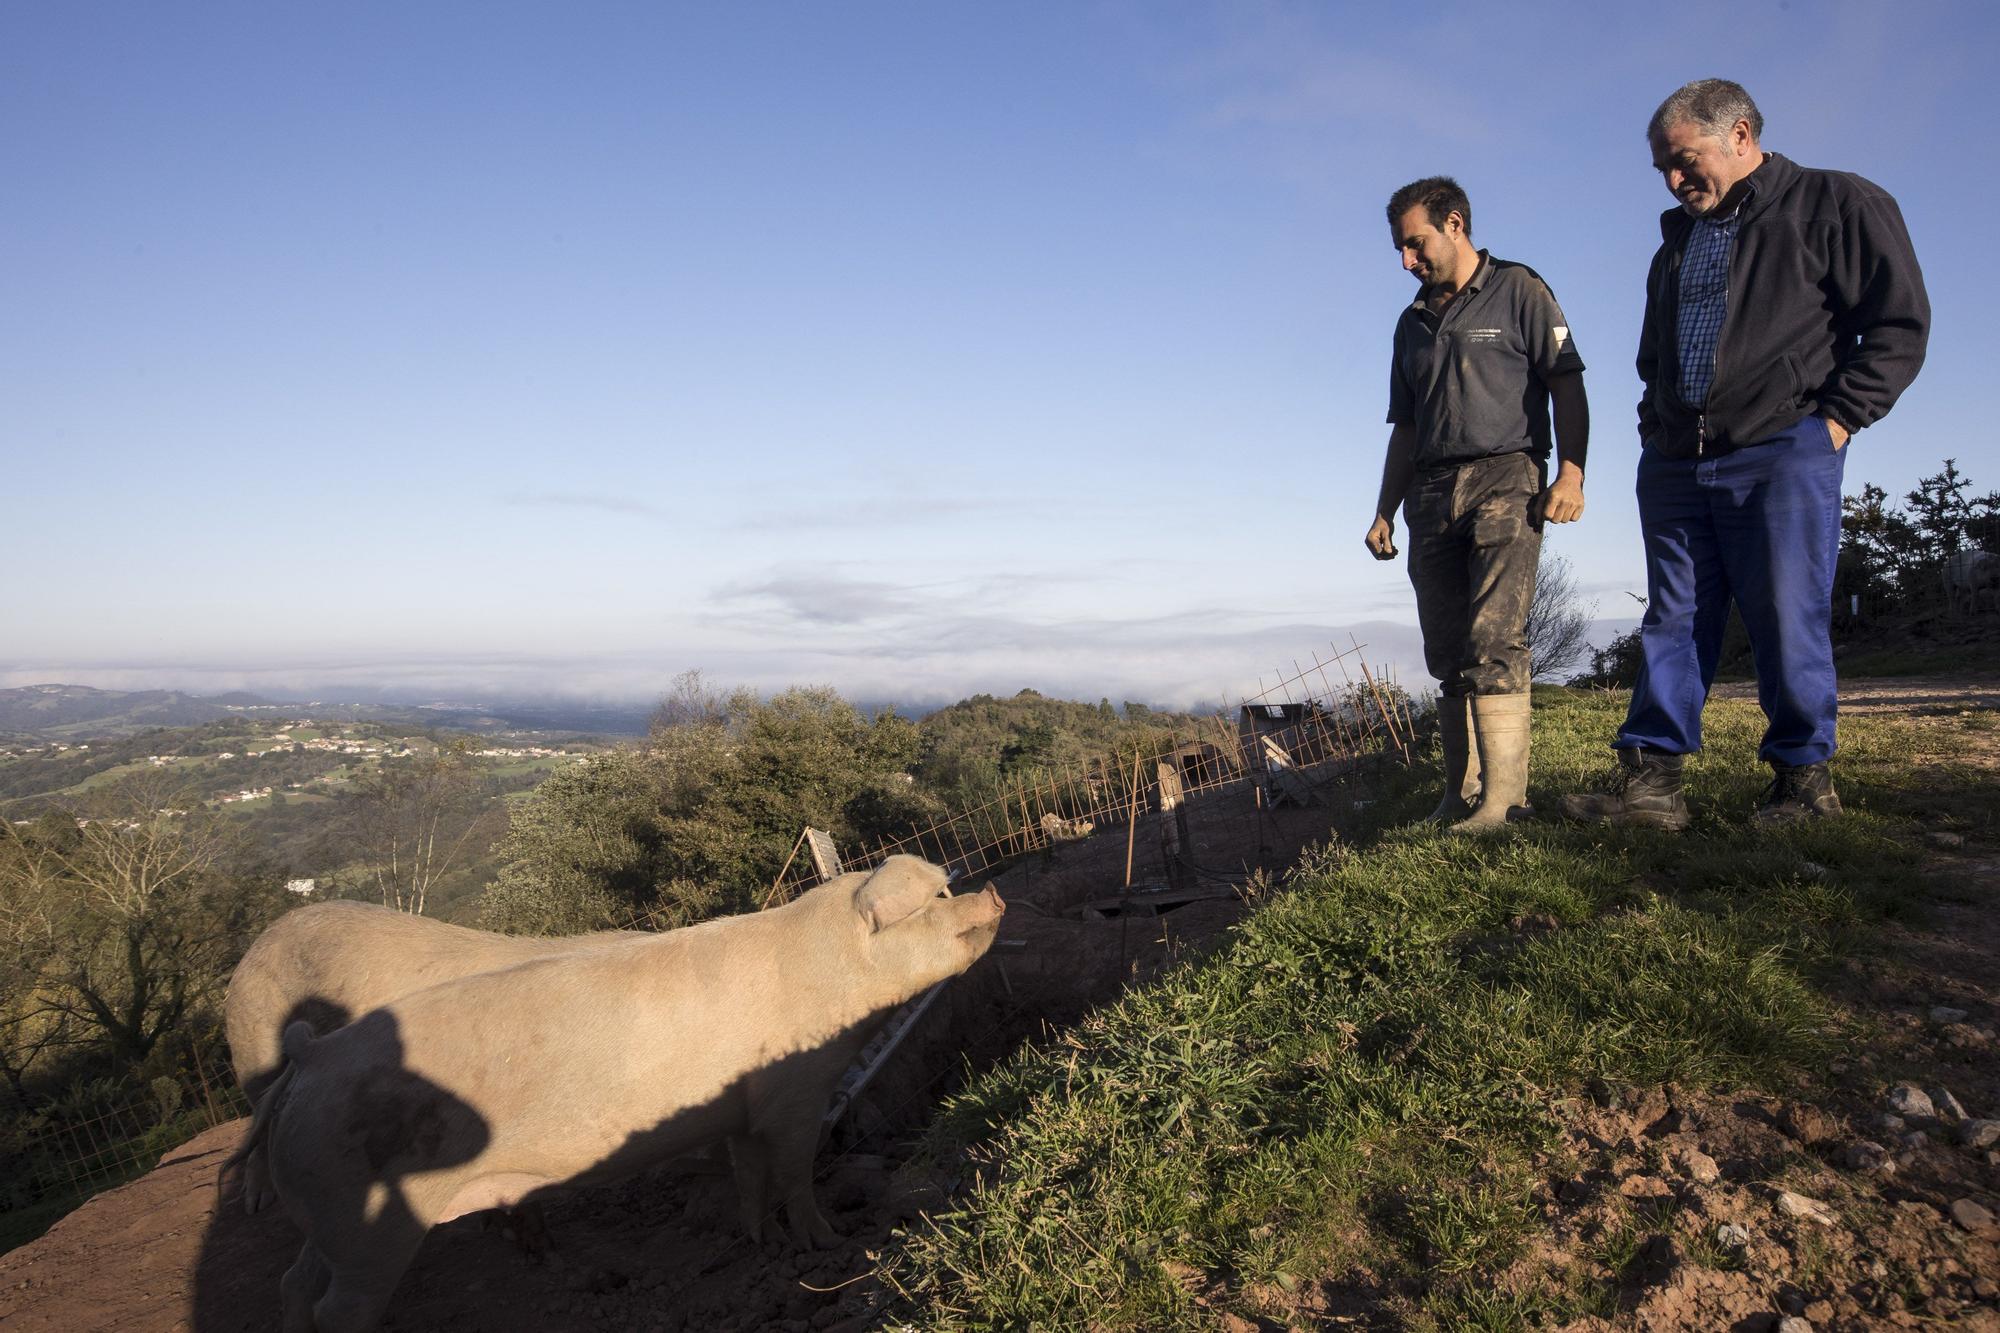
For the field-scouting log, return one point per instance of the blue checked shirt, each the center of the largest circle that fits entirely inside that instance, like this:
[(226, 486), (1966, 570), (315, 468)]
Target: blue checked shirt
[(1704, 300)]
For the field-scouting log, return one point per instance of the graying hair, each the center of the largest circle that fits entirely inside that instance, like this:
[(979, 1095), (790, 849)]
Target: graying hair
[(1711, 105)]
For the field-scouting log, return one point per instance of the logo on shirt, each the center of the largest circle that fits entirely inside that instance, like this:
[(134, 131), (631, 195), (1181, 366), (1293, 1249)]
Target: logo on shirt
[(1481, 335), (1562, 336)]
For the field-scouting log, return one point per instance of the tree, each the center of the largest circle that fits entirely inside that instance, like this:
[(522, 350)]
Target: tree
[(1892, 555), (121, 928), (1939, 511), (1558, 623), (689, 702), (1616, 664), (589, 849), (705, 813), (412, 819)]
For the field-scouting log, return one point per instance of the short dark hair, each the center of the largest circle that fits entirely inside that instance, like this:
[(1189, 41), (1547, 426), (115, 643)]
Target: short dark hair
[(1711, 105), (1440, 196)]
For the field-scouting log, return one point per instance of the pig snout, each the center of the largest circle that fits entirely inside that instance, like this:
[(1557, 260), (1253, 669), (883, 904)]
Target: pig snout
[(982, 911)]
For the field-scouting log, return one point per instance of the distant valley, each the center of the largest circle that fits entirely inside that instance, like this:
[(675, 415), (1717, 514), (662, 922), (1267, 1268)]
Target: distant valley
[(79, 712)]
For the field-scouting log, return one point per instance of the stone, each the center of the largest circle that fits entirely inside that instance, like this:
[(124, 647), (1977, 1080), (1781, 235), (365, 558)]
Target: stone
[(1732, 1235), (1965, 1035), (1948, 1107), (1672, 1122), (1792, 1323), (1977, 1134), (1862, 1155), (1976, 1218), (1818, 1311), (1798, 1205), (1644, 1187), (1946, 838), (1894, 1123), (1916, 1139), (1807, 1124), (1701, 1168), (1907, 1099), (1944, 1013)]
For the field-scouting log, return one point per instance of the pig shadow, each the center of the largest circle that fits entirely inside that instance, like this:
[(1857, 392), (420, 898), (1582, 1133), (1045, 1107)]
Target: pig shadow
[(324, 1016), (401, 1124)]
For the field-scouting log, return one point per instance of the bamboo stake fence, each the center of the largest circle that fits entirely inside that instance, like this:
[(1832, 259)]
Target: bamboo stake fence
[(1319, 717)]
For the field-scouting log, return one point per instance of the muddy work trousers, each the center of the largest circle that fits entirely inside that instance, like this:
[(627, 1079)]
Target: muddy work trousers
[(1474, 542)]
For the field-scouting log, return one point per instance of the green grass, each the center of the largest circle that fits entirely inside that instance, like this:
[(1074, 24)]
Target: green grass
[(1366, 1074)]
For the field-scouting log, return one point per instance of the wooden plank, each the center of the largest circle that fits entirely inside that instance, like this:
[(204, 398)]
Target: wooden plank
[(825, 855)]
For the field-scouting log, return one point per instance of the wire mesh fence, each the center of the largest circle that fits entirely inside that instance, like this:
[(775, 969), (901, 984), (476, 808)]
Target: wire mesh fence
[(66, 1154), (1312, 723)]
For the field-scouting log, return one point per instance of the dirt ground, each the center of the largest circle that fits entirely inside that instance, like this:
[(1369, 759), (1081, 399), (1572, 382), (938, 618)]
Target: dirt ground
[(1896, 1228)]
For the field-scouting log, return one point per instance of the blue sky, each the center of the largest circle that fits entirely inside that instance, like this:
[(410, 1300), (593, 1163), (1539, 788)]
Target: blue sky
[(916, 349)]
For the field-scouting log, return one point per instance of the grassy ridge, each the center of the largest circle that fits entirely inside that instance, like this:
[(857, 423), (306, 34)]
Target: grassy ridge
[(1361, 1082)]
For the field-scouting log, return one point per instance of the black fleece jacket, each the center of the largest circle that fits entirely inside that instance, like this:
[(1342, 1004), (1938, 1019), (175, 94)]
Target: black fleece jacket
[(1827, 314)]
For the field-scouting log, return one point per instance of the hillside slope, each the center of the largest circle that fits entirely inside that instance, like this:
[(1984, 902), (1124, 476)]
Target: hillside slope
[(1561, 1080), (1566, 1078)]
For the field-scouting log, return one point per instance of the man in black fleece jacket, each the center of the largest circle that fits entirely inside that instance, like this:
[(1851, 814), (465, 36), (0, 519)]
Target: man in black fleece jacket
[(1784, 312)]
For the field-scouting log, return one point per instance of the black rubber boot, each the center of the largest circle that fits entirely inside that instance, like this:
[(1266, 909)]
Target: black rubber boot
[(1646, 790), (1801, 792)]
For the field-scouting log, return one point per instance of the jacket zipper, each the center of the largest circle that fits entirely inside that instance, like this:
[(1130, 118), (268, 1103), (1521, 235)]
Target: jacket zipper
[(1700, 432)]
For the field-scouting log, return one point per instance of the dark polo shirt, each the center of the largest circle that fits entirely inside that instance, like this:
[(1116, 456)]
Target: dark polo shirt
[(1474, 380)]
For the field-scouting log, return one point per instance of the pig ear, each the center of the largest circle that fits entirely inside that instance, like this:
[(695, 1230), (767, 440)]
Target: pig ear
[(899, 888)]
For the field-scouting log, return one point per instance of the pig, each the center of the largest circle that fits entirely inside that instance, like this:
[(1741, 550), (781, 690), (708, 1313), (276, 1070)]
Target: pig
[(1971, 578), (589, 1065), (329, 962)]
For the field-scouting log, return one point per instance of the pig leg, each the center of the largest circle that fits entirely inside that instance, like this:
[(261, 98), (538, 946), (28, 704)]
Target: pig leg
[(365, 1278), (350, 1308), (752, 1163), (792, 1149), (256, 1183), (304, 1282)]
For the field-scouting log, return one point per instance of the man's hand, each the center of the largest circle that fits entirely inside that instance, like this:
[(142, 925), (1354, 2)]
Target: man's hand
[(1381, 539), (1562, 502), (1837, 433)]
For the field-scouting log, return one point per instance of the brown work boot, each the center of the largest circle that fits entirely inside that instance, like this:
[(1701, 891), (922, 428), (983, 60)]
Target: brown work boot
[(1646, 790), (1461, 761), (1803, 791)]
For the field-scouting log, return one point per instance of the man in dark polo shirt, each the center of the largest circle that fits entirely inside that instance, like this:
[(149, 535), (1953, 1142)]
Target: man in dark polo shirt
[(1784, 311), (1479, 357)]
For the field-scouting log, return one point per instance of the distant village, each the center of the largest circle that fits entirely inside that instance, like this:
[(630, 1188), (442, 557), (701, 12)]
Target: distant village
[(283, 739)]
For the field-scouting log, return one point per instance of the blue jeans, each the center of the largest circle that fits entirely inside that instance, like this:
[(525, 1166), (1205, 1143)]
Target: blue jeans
[(1762, 526)]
